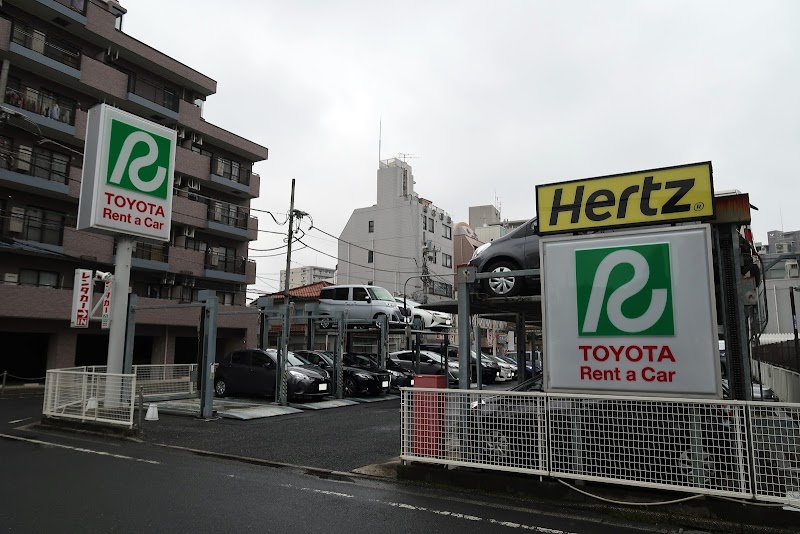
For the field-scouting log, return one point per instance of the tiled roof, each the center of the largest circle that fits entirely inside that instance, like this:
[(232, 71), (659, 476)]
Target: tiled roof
[(309, 292)]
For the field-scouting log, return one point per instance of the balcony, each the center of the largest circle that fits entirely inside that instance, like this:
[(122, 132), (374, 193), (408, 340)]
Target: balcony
[(232, 221), (230, 176), (36, 170), (72, 9), (149, 256), (189, 210), (154, 97), (37, 46), (44, 108), (222, 267)]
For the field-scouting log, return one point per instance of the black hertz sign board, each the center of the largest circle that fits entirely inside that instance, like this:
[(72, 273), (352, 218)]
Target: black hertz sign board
[(670, 194)]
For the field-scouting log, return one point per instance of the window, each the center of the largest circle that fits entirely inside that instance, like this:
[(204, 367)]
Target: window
[(342, 293), (442, 289), (226, 298), (43, 226), (424, 222), (240, 358), (371, 227), (431, 226), (448, 232), (261, 360), (432, 256), (447, 260), (370, 256), (360, 294), (30, 277), (202, 151)]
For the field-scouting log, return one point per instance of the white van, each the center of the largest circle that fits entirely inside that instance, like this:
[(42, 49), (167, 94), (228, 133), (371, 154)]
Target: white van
[(363, 304)]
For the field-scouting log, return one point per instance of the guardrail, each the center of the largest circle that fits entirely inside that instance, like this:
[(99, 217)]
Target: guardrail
[(90, 396), (691, 445)]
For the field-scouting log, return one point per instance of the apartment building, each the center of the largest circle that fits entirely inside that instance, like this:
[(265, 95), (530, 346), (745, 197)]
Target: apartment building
[(398, 240), (59, 59), (307, 275)]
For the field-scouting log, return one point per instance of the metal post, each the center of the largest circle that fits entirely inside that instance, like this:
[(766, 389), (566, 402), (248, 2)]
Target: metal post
[(2, 389), (794, 327), (119, 311), (130, 334), (337, 355), (476, 331), (209, 353), (521, 359), (384, 352), (141, 412), (466, 275)]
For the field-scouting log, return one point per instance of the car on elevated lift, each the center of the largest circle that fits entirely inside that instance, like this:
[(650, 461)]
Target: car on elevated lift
[(364, 305), (517, 250), (423, 319), (430, 363)]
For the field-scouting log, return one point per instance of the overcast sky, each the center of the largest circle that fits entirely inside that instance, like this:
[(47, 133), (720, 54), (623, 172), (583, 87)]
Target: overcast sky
[(491, 97)]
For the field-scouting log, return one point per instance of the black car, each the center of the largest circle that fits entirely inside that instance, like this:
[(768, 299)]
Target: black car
[(430, 363), (355, 381), (253, 372), (518, 249), (363, 363), (489, 369)]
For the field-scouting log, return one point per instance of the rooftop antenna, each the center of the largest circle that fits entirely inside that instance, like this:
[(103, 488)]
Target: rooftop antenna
[(380, 131), (780, 209)]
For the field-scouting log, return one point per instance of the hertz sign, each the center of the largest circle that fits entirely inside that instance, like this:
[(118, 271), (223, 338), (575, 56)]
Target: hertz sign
[(633, 199)]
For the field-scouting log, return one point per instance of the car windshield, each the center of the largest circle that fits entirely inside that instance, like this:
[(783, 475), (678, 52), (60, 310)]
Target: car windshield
[(292, 357), (521, 230), (432, 355), (379, 293), (358, 359)]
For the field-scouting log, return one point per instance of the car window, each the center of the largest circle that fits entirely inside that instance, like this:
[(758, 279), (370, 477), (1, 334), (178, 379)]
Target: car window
[(240, 358), (359, 294), (259, 359), (341, 293), (379, 293)]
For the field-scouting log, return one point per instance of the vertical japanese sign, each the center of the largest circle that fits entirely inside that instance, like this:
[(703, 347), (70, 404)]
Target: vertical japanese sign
[(106, 317), (81, 299)]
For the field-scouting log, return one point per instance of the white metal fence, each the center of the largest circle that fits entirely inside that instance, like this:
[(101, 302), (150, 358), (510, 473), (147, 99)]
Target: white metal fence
[(715, 447), (162, 381), (785, 383), (90, 396)]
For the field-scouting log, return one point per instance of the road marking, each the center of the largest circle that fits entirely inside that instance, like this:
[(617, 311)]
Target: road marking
[(456, 515), (15, 421), (79, 449)]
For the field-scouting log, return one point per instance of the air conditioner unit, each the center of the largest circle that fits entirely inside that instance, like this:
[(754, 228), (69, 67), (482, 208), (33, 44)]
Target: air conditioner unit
[(424, 208), (197, 138), (188, 231), (792, 269), (24, 157), (188, 281), (441, 216), (11, 278), (181, 133), (17, 221), (178, 181), (449, 220), (168, 279), (194, 184)]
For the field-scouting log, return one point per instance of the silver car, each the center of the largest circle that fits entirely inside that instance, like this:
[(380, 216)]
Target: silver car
[(363, 304)]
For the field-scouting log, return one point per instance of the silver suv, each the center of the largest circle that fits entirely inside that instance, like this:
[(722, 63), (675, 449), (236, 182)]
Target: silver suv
[(363, 304)]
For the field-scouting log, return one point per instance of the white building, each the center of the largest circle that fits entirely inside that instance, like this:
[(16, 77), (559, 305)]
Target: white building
[(487, 224), (397, 240), (303, 276)]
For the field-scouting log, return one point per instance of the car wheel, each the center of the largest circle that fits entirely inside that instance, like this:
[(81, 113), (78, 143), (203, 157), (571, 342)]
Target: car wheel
[(325, 323), (496, 445), (349, 386), (379, 318), (220, 388), (503, 286), (417, 323)]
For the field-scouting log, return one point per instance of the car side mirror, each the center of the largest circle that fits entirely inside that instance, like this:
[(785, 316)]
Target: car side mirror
[(368, 298)]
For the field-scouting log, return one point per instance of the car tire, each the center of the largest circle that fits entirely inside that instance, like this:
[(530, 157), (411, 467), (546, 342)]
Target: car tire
[(417, 323), (503, 286), (378, 319), (325, 323), (220, 388), (349, 387), (496, 446)]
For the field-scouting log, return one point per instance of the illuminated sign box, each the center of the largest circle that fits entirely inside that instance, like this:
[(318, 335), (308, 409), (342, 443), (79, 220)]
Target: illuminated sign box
[(656, 196), (128, 172)]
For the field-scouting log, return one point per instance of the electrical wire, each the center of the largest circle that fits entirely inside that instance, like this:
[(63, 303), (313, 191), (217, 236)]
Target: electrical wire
[(628, 503)]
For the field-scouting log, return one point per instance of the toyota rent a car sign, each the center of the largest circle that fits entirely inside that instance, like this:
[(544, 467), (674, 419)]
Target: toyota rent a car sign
[(631, 312), (127, 176)]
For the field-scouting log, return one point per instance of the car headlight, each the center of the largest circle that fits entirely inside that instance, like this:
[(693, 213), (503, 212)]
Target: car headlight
[(394, 373), (364, 376), (481, 249), (297, 375)]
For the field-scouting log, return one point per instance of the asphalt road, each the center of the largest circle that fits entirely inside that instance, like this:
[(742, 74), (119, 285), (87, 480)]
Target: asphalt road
[(83, 483)]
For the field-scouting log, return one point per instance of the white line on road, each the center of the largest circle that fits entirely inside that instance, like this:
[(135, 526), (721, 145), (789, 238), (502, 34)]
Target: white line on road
[(456, 515), (15, 421), (79, 449)]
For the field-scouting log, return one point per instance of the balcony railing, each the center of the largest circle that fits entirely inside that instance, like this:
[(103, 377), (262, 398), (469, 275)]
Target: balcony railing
[(38, 41), (149, 251), (232, 170), (41, 102), (163, 96), (229, 264), (223, 214), (36, 162), (78, 6)]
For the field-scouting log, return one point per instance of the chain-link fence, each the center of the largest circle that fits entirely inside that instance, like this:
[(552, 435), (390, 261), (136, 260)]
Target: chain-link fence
[(726, 448), (90, 396)]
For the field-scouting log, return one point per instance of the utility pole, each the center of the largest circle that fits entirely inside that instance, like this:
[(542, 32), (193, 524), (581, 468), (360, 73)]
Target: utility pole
[(424, 276), (283, 353)]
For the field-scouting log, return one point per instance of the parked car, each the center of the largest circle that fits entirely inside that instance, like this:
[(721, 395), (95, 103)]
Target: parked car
[(365, 363), (430, 363), (253, 372), (423, 319), (364, 305), (489, 369), (518, 249), (355, 381), (508, 371), (528, 369)]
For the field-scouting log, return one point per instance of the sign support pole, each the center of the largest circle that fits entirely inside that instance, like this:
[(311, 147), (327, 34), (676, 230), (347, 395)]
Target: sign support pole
[(119, 316)]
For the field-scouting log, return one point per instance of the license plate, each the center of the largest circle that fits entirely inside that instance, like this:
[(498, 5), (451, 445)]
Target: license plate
[(323, 387), (412, 381), (385, 384)]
